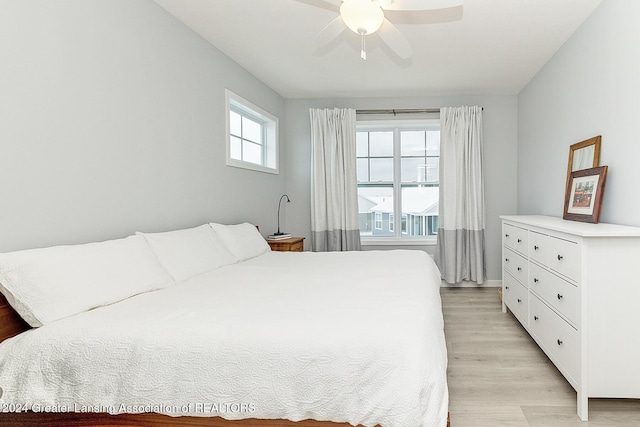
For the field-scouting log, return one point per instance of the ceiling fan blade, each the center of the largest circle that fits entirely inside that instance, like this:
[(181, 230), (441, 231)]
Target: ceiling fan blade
[(330, 32), (438, 16), (395, 40), (418, 4), (332, 5)]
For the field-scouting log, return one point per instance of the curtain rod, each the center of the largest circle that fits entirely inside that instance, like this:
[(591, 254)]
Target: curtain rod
[(401, 111)]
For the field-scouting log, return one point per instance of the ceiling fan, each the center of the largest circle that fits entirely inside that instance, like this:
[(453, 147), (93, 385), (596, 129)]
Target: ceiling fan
[(365, 17)]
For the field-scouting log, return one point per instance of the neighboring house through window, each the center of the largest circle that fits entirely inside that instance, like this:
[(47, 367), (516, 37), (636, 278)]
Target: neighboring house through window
[(252, 136), (398, 179)]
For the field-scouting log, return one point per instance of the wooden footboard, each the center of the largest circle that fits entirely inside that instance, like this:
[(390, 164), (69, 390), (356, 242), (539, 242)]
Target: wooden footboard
[(29, 419), (145, 420), (149, 420), (11, 324)]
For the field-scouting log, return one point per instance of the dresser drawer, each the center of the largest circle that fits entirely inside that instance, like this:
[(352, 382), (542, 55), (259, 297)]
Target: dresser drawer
[(516, 297), (515, 264), (515, 237), (564, 257), (539, 247), (558, 293), (559, 339)]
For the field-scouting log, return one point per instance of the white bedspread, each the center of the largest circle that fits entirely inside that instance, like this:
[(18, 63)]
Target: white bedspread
[(355, 337)]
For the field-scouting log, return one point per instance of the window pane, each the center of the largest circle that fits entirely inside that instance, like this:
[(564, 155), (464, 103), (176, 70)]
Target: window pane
[(413, 143), (375, 202), (235, 128), (418, 149), (381, 170), (252, 153), (433, 169), (362, 144), (251, 130), (433, 143), (381, 144), (363, 170), (420, 170), (235, 150), (413, 169), (249, 124), (420, 205)]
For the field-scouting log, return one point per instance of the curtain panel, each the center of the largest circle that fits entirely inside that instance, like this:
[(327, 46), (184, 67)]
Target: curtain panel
[(334, 187), (460, 251)]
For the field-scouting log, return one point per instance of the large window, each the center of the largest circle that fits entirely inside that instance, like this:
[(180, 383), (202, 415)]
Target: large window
[(252, 136), (398, 180)]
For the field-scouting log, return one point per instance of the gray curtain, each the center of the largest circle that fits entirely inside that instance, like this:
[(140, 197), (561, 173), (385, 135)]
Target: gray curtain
[(334, 187), (460, 252)]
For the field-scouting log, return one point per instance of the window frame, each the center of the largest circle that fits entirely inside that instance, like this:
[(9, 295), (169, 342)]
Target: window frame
[(400, 237), (269, 131)]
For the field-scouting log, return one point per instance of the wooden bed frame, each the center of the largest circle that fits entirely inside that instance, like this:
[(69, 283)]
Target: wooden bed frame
[(11, 324)]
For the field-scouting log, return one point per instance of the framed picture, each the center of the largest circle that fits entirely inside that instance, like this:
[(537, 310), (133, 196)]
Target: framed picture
[(583, 197), (583, 155)]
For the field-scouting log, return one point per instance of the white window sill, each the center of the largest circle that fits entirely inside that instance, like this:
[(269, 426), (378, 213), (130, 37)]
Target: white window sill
[(390, 241), (251, 166)]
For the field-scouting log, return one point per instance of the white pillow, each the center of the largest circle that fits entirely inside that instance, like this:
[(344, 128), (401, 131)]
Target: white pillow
[(187, 253), (48, 284), (243, 240)]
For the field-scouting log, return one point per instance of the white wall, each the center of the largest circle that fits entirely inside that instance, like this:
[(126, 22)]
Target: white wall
[(590, 87), (500, 155), (112, 121)]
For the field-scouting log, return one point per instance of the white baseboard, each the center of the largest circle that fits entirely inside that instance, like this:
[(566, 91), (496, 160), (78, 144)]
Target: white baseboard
[(486, 284)]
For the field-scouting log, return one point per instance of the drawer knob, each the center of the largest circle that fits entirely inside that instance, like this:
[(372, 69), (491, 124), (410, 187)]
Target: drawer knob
[(519, 268), (560, 257), (559, 296), (535, 317), (506, 235), (535, 280), (535, 248), (519, 241), (559, 341), (519, 300), (506, 287), (506, 260)]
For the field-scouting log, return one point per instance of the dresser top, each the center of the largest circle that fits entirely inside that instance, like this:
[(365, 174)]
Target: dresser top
[(582, 229)]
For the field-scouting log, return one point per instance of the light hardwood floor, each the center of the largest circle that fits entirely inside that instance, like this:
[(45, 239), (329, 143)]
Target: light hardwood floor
[(499, 377)]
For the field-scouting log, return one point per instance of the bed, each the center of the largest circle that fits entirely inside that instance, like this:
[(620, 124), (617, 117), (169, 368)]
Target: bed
[(264, 338)]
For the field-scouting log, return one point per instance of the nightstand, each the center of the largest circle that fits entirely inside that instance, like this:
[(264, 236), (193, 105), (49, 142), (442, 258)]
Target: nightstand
[(292, 244)]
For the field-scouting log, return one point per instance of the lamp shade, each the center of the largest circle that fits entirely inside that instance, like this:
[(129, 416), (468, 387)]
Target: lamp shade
[(361, 16)]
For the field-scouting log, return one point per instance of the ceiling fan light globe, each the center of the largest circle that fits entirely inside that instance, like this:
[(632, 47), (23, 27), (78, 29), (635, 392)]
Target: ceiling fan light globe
[(361, 16)]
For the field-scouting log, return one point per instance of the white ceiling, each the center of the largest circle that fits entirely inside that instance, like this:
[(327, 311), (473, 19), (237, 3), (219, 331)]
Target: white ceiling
[(496, 48)]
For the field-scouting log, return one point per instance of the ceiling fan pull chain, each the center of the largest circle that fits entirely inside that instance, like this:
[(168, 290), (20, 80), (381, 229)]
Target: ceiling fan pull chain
[(363, 52)]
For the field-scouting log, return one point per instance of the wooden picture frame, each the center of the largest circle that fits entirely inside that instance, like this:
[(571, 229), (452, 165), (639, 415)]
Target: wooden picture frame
[(583, 198), (583, 155)]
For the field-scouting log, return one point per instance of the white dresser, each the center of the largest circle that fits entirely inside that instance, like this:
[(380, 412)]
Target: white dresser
[(575, 287)]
